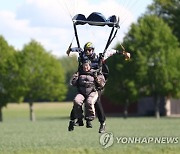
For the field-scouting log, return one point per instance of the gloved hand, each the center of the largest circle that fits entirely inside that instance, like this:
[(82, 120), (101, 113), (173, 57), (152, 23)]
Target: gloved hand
[(76, 74), (73, 80), (127, 55), (69, 49)]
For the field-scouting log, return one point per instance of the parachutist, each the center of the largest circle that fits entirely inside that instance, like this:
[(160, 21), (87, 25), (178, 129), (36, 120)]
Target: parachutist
[(97, 62)]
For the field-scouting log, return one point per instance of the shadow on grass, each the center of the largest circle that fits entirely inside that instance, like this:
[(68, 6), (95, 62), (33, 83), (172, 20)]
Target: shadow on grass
[(56, 118), (52, 118), (117, 115)]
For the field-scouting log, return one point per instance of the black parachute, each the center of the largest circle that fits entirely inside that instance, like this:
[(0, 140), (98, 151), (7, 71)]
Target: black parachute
[(97, 19)]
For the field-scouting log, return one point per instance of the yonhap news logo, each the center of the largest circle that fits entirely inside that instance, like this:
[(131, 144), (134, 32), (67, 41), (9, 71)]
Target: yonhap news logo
[(107, 139)]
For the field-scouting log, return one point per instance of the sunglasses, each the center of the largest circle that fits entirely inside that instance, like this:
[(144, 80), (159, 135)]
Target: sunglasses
[(89, 49)]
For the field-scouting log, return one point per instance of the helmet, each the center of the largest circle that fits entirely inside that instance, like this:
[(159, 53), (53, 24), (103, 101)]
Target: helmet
[(88, 45)]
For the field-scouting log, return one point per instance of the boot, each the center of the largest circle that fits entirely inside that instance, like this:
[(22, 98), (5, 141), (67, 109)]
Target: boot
[(88, 124), (102, 127), (79, 122), (71, 125)]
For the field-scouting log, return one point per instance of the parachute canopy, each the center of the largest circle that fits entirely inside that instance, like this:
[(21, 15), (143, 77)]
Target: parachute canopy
[(96, 19)]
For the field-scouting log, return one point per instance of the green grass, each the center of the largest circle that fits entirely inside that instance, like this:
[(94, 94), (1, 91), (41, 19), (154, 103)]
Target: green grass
[(49, 135)]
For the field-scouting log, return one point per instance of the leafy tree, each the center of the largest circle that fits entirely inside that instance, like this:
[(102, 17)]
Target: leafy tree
[(155, 57), (9, 90), (169, 10), (121, 86), (43, 75), (70, 65)]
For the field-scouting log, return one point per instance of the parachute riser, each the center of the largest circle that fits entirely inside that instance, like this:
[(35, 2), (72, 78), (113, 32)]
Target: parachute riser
[(110, 39), (97, 19), (76, 35)]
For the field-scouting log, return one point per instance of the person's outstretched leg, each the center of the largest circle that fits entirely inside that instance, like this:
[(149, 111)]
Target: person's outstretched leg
[(76, 112), (100, 113)]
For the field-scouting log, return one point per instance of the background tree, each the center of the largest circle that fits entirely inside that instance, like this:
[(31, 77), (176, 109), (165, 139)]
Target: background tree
[(9, 89), (154, 57), (43, 74), (169, 11), (70, 65), (120, 87)]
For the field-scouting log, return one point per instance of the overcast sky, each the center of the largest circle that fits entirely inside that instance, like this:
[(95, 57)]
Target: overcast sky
[(49, 21)]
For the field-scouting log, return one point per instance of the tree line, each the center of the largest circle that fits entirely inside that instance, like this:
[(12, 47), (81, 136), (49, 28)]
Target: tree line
[(29, 75), (33, 74), (154, 44)]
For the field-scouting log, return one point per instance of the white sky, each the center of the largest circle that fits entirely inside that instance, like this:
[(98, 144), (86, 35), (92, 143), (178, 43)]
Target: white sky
[(49, 21)]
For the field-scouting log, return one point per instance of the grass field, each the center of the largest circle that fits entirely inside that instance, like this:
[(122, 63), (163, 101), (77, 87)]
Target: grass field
[(49, 135)]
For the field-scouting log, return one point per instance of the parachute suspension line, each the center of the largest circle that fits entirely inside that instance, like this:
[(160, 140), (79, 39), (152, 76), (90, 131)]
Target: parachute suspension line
[(130, 8), (118, 40), (63, 6), (92, 33), (72, 40), (76, 6), (111, 37), (124, 4), (122, 47), (108, 42), (67, 8), (74, 26), (88, 29), (106, 31)]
